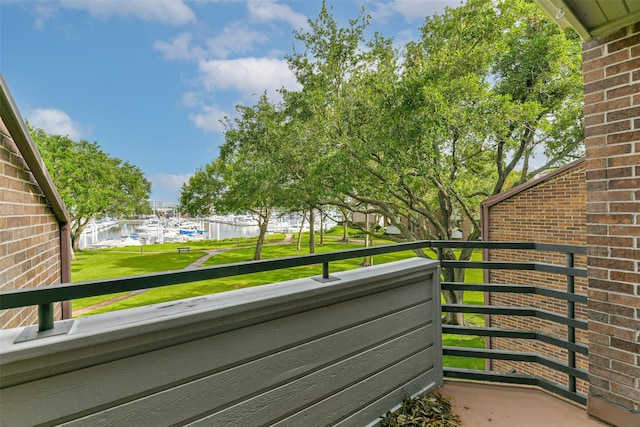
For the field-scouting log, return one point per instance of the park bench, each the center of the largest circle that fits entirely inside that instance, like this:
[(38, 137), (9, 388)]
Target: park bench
[(186, 249)]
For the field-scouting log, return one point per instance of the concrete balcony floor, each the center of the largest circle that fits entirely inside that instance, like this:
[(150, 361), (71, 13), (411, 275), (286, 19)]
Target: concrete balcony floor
[(495, 405)]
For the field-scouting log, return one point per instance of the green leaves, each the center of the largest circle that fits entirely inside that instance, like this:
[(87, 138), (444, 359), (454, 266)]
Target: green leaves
[(92, 184), (420, 133), (199, 194)]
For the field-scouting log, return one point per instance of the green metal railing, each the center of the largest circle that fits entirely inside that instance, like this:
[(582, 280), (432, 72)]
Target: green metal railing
[(569, 297), (45, 297)]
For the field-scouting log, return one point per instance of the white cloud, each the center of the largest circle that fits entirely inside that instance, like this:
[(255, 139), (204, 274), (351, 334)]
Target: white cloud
[(250, 76), (179, 48), (55, 122), (235, 37), (166, 186), (412, 10), (269, 10), (42, 12), (209, 119), (171, 12), (190, 99)]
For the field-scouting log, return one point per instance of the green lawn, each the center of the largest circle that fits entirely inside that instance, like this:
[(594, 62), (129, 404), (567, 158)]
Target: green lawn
[(106, 264), (173, 261), (475, 298), (120, 262)]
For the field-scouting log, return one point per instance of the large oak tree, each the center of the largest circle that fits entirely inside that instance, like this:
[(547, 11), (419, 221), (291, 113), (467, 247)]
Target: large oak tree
[(488, 97), (250, 175)]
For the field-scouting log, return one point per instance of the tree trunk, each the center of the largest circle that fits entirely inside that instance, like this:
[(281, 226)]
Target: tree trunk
[(321, 228), (75, 243), (312, 231), (263, 224), (345, 224), (368, 260), (299, 244), (453, 297), (76, 233)]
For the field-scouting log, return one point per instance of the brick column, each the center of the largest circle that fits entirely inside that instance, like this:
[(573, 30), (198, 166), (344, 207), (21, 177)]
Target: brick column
[(612, 139)]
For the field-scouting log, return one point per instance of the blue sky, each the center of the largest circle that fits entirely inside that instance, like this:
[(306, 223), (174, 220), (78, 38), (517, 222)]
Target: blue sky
[(149, 80)]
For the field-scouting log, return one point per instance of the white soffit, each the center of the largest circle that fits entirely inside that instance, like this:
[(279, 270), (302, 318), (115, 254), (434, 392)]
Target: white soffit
[(592, 18)]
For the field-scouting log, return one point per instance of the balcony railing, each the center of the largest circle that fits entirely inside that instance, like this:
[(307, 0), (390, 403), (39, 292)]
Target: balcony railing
[(45, 297), (568, 297)]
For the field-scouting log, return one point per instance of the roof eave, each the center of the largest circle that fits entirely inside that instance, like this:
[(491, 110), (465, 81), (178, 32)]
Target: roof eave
[(497, 198), (576, 15), (20, 135), (563, 16)]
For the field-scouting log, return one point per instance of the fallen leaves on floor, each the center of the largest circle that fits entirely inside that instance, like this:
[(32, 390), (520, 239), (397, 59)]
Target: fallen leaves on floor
[(432, 410)]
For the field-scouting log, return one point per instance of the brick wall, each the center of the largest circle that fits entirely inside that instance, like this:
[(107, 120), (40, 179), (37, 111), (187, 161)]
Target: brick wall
[(29, 234), (551, 209), (612, 139)]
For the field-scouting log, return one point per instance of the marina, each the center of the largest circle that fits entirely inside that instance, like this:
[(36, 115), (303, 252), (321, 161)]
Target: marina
[(108, 233), (135, 233)]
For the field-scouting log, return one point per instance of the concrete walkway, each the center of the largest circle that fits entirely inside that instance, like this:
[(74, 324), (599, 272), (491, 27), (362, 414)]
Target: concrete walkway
[(494, 405), (198, 263)]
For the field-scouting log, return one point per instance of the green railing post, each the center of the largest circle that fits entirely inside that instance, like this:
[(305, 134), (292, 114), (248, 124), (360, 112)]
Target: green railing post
[(325, 270), (571, 331), (45, 317)]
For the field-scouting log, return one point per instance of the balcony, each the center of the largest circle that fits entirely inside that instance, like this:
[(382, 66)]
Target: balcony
[(492, 405), (340, 349)]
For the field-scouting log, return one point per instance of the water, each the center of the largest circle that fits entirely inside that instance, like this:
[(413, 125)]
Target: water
[(215, 231), (220, 231)]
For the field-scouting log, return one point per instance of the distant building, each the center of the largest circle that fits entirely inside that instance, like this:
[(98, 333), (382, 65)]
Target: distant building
[(34, 223)]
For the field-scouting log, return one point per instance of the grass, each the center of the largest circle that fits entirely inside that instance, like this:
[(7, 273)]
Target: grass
[(187, 290), (473, 298), (106, 264), (120, 262)]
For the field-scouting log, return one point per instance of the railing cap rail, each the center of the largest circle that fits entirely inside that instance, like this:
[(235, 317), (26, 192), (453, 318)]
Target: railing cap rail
[(66, 291)]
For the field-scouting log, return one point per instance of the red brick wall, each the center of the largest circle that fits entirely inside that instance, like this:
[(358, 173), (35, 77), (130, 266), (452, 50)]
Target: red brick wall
[(551, 211), (29, 234), (612, 139)]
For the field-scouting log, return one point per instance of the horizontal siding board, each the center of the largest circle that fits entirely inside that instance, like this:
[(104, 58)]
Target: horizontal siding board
[(361, 403), (217, 390), (116, 335), (418, 386), (307, 325), (296, 395), (134, 377), (246, 354)]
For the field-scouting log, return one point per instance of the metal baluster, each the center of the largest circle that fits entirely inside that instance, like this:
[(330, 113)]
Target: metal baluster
[(325, 270), (571, 332), (45, 317)]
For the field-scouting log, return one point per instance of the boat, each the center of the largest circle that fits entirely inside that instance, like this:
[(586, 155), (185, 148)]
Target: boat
[(149, 225), (117, 243), (99, 224)]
